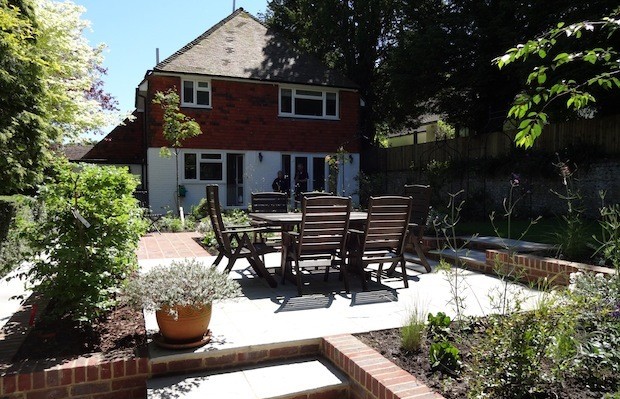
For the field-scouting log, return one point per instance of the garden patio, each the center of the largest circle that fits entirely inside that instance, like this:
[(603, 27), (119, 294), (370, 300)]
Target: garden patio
[(265, 320)]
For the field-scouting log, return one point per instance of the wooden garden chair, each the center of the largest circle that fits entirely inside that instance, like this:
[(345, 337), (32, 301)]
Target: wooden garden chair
[(321, 237), (384, 237), (235, 242)]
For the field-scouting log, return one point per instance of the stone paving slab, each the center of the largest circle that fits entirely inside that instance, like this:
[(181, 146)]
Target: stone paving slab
[(264, 315), (515, 245), (266, 381)]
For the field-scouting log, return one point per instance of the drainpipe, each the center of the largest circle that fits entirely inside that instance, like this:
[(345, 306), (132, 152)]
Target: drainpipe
[(145, 170)]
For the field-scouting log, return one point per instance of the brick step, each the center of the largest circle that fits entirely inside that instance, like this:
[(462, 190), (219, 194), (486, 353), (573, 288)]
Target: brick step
[(312, 378)]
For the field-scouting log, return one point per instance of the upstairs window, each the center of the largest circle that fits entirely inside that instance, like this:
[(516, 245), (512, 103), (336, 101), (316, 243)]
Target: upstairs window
[(196, 93), (308, 103)]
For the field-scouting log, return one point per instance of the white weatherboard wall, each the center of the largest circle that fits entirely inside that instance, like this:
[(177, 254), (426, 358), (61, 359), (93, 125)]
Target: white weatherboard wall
[(258, 176)]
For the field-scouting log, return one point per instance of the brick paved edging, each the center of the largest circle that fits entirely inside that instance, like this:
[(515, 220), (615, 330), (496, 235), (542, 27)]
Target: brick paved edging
[(371, 375)]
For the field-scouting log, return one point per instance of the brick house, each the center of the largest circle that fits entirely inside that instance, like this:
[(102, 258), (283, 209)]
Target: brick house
[(262, 107)]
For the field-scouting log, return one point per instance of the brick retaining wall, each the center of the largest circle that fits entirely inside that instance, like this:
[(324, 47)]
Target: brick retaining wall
[(535, 269), (371, 375)]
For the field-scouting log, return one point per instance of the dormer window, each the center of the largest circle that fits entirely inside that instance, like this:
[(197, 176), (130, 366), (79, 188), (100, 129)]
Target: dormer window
[(196, 93), (304, 103)]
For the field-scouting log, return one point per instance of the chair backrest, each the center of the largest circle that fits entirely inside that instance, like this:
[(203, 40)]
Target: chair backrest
[(215, 215), (387, 224), (269, 202), (312, 194), (421, 205), (324, 224)]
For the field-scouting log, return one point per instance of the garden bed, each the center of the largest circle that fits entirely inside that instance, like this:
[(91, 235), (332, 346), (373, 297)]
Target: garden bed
[(117, 335), (387, 342)]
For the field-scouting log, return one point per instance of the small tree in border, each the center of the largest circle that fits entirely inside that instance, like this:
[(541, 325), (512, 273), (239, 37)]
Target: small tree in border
[(177, 128)]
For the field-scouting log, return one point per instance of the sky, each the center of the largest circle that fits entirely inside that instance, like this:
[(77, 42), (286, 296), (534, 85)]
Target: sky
[(133, 29)]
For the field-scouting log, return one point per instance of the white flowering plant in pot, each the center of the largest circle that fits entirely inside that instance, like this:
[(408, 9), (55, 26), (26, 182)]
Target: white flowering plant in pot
[(180, 293), (182, 283)]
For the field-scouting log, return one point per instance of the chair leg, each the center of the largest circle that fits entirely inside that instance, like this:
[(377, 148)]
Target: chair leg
[(418, 250), (283, 263), (298, 277), (404, 271), (379, 271), (231, 262), (219, 258), (359, 264), (343, 272)]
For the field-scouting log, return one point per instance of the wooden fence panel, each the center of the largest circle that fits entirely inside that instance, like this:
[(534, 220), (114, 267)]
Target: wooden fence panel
[(602, 134)]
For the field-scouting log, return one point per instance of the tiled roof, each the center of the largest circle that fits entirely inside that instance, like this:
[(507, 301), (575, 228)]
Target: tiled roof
[(240, 46), (123, 145), (75, 152)]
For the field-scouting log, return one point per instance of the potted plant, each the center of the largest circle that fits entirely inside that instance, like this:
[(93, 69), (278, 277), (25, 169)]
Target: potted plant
[(181, 295)]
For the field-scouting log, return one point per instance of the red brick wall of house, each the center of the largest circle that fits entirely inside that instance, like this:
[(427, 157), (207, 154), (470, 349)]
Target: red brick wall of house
[(245, 117)]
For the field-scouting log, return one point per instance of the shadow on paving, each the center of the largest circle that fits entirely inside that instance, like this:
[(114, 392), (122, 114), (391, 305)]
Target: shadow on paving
[(318, 294)]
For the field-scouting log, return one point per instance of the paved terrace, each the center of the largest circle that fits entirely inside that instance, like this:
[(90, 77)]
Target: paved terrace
[(264, 315)]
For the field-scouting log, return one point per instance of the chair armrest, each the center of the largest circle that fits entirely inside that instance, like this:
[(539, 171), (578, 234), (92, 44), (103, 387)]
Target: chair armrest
[(247, 229), (237, 226)]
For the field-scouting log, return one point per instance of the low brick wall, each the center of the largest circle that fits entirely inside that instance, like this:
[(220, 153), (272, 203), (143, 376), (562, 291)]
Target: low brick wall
[(95, 377), (84, 378), (535, 269), (371, 375)]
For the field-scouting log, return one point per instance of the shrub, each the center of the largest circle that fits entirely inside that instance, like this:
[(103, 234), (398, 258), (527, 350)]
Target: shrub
[(86, 244)]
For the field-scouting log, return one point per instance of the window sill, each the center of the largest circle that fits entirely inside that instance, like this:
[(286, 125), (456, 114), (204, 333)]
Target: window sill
[(196, 106), (308, 117)]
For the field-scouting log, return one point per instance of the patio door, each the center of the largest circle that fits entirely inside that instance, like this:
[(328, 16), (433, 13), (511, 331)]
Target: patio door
[(234, 179)]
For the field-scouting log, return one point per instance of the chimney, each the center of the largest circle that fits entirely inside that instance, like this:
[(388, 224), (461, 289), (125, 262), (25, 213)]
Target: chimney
[(234, 8), (156, 55)]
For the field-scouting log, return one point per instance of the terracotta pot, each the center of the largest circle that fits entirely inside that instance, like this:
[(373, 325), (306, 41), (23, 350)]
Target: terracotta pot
[(190, 326)]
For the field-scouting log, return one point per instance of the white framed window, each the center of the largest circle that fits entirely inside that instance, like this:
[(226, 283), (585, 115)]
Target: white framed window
[(203, 166), (308, 103), (196, 93)]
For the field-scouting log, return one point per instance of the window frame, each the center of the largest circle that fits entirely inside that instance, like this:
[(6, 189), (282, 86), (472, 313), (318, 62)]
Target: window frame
[(199, 160), (195, 81), (324, 91)]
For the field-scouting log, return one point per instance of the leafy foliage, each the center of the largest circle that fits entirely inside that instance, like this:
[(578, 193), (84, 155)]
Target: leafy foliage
[(559, 77), (186, 283), (15, 212), (50, 86), (445, 355), (79, 267), (438, 325)]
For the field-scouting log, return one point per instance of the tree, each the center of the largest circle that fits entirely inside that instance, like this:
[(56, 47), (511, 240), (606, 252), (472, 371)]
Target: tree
[(176, 128), (560, 75), (50, 86), (24, 131), (350, 36), (443, 58)]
